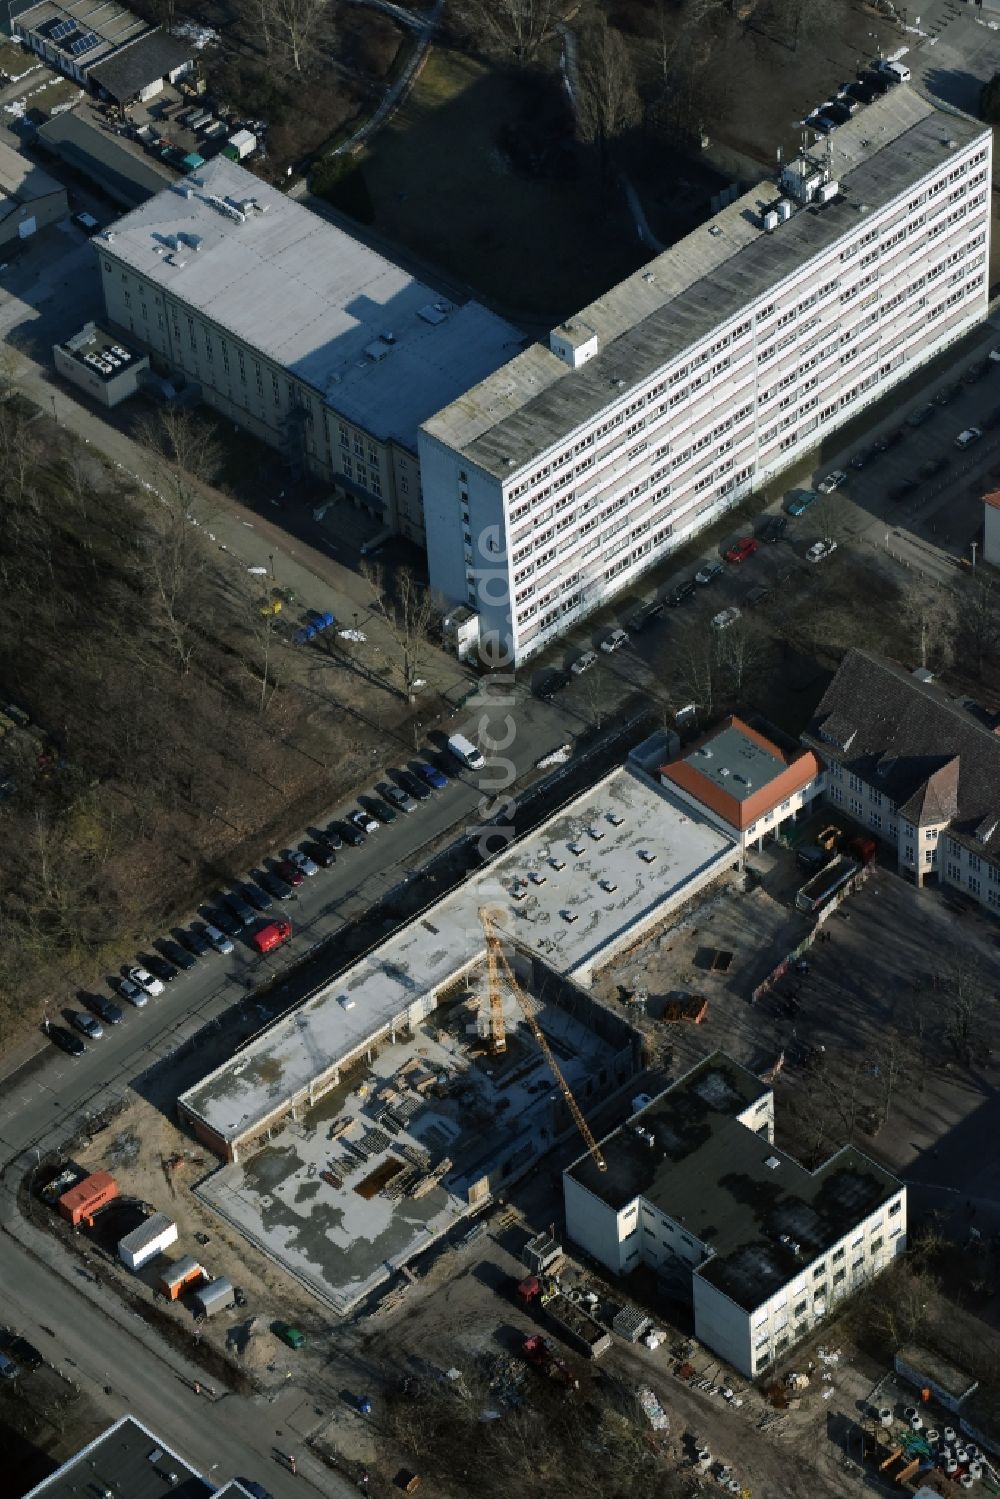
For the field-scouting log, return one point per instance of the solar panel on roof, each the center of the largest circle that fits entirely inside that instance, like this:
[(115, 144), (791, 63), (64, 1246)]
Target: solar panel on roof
[(62, 29), (84, 44)]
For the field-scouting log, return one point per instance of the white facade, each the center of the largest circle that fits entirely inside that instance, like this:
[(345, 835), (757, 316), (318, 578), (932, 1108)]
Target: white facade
[(537, 543), (991, 529), (752, 1341), (755, 1290)]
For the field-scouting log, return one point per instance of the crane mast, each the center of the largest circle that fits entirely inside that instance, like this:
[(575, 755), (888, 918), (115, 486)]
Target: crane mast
[(496, 959)]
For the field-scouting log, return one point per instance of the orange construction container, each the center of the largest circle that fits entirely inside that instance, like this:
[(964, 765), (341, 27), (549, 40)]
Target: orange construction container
[(81, 1202)]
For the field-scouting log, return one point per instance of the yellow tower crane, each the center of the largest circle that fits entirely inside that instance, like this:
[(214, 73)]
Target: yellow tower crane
[(496, 959)]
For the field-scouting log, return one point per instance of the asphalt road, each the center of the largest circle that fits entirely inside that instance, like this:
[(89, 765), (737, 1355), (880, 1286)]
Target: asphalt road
[(98, 1345)]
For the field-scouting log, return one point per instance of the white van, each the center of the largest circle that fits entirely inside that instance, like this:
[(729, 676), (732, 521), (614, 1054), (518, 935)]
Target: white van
[(894, 70), (465, 751)]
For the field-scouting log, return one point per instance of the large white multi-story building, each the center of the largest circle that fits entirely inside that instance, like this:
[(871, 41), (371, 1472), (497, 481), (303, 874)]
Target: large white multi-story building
[(297, 331), (696, 1190), (559, 479)]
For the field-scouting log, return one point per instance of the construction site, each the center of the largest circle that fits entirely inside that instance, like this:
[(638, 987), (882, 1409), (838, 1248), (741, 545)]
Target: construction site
[(432, 1127)]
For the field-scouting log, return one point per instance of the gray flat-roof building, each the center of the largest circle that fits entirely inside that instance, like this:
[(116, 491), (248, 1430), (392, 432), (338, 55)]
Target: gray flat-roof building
[(128, 1461), (696, 1189), (557, 481), (299, 332), (595, 875), (126, 176)]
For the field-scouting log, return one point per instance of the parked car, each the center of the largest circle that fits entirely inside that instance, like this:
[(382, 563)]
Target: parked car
[(161, 969), (289, 872), (862, 458), (241, 909), (933, 466), (274, 885), (708, 572), (331, 837), (413, 785), (644, 614), (217, 939), (134, 993), (549, 683), (106, 1009), (756, 597), (772, 528), (302, 862), (797, 501), (354, 834), (921, 415), (436, 779), (832, 481), (887, 440), (86, 222), (363, 820), (680, 592), (725, 618), (144, 979), (968, 437), (225, 920), (820, 124), (583, 663), (614, 641), (8, 1368), (396, 796), (19, 1349), (742, 549), (324, 858), (995, 355), (821, 549), (88, 1024), (64, 1039), (193, 941), (976, 371), (289, 1335), (379, 809), (255, 895), (947, 393), (177, 955)]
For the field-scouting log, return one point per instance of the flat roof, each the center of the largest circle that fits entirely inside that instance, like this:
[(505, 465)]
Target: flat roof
[(153, 55), (626, 849), (128, 1461), (765, 1216), (98, 343), (381, 348), (127, 176), (700, 283)]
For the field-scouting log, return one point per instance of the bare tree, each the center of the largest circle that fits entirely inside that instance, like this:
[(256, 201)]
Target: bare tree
[(297, 24), (932, 614), (519, 28), (979, 617), (174, 560), (607, 102), (695, 669), (408, 615), (739, 653)]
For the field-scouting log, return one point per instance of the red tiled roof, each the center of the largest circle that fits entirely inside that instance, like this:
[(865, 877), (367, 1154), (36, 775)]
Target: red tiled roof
[(993, 498)]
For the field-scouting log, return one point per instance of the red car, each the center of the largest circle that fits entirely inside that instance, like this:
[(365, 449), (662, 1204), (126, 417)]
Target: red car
[(289, 872), (742, 549), (266, 938)]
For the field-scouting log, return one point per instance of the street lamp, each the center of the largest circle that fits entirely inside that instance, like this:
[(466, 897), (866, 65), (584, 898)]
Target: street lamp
[(271, 561), (975, 544)]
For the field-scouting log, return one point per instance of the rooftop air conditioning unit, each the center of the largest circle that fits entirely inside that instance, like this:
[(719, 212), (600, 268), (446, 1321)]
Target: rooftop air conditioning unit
[(828, 191), (771, 221), (784, 210)]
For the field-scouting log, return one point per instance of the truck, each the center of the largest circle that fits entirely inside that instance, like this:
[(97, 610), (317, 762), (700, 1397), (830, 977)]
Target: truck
[(823, 886), (266, 938), (465, 751)]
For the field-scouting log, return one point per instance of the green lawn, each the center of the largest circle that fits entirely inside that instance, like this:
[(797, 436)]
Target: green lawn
[(442, 185)]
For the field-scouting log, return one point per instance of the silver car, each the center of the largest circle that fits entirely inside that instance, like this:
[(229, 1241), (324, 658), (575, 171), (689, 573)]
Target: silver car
[(134, 993), (86, 1023), (218, 939), (302, 861)]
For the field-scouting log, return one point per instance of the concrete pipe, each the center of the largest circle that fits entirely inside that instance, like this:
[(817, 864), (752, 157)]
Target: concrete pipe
[(949, 1434), (885, 1416), (950, 1467)]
